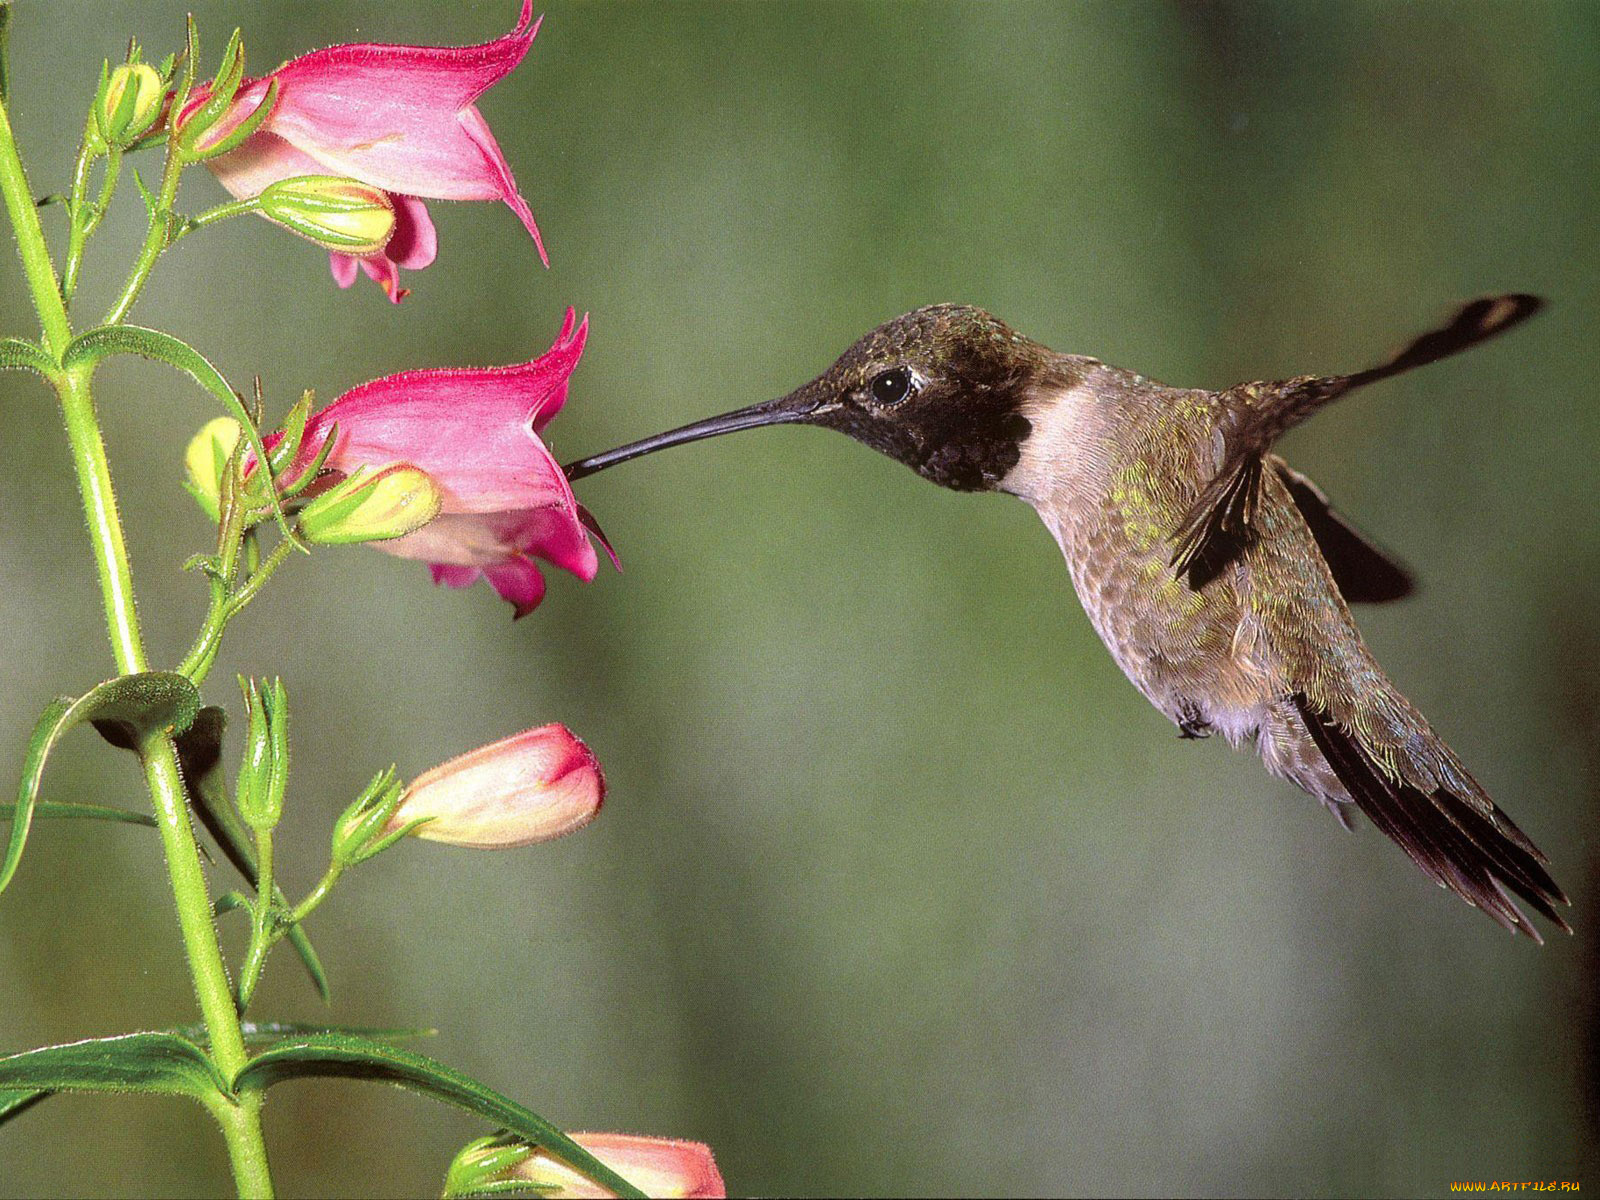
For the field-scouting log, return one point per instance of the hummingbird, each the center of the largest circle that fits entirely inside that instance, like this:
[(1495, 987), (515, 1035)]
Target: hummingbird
[(1219, 577)]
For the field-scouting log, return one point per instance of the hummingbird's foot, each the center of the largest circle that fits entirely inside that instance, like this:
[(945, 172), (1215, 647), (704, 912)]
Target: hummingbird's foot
[(1192, 726)]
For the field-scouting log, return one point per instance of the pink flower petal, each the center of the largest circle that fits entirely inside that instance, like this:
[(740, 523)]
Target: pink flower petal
[(517, 580), (469, 428), (477, 130), (455, 577), (391, 115), (414, 243), (344, 268)]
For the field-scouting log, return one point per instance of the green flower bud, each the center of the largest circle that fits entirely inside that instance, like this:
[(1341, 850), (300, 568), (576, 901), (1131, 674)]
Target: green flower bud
[(372, 505), (129, 102), (338, 214), (264, 770)]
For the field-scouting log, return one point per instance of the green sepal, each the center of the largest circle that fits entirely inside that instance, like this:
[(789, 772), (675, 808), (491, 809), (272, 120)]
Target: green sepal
[(357, 833), (163, 1064), (19, 354), (146, 195), (294, 485), (231, 902), (351, 1057), (294, 431), (472, 1172), (107, 340), (264, 769), (242, 132), (223, 89), (52, 810), (127, 711), (200, 753), (505, 1187)]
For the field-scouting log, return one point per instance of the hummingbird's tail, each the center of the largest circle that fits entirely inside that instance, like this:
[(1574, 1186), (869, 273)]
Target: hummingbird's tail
[(1416, 792)]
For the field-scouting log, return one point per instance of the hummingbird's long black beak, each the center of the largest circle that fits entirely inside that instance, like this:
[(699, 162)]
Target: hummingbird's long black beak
[(794, 408)]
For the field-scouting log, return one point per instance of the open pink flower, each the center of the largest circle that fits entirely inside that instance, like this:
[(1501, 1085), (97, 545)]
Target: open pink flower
[(503, 497), (523, 789), (400, 118)]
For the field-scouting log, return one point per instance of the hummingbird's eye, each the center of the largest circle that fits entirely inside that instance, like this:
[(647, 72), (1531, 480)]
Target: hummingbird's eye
[(891, 386)]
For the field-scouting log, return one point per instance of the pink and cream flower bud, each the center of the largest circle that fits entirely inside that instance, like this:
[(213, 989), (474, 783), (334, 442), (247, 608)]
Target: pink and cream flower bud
[(527, 788), (657, 1166)]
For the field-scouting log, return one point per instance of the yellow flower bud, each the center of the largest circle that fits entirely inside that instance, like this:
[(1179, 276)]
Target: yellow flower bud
[(338, 214), (129, 103), (206, 459), (372, 505)]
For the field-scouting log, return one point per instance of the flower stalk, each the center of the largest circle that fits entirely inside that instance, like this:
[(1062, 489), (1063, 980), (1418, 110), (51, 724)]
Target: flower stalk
[(240, 1121)]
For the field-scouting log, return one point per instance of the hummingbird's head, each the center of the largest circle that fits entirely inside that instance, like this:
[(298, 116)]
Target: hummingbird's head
[(941, 389)]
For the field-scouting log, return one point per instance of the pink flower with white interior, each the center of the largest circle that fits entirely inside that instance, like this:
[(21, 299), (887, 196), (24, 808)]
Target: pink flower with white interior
[(527, 788), (657, 1166), (401, 118), (504, 499)]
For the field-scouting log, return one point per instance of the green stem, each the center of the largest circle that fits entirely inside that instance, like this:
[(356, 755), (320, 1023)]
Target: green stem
[(240, 1122), (223, 608), (36, 264), (77, 227), (82, 224), (317, 895), (158, 236), (233, 208), (264, 919)]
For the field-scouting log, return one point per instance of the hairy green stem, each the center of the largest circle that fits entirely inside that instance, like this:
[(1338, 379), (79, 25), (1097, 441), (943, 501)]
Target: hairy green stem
[(158, 236), (317, 894), (83, 222), (264, 921), (240, 1121), (225, 605)]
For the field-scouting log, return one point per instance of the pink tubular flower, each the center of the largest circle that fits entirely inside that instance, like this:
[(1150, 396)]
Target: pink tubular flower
[(527, 788), (657, 1166), (400, 118), (503, 496)]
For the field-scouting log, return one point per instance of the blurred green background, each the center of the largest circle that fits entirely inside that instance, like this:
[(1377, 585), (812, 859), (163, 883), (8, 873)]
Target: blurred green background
[(900, 887)]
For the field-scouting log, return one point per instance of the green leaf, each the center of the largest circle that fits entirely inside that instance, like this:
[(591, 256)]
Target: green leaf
[(258, 1033), (50, 810), (351, 1057), (16, 1101), (13, 1103), (200, 754), (127, 711), (16, 354), (107, 340), (162, 1064)]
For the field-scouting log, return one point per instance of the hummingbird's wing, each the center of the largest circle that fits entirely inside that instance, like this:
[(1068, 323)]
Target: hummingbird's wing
[(1220, 523), (1365, 573)]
